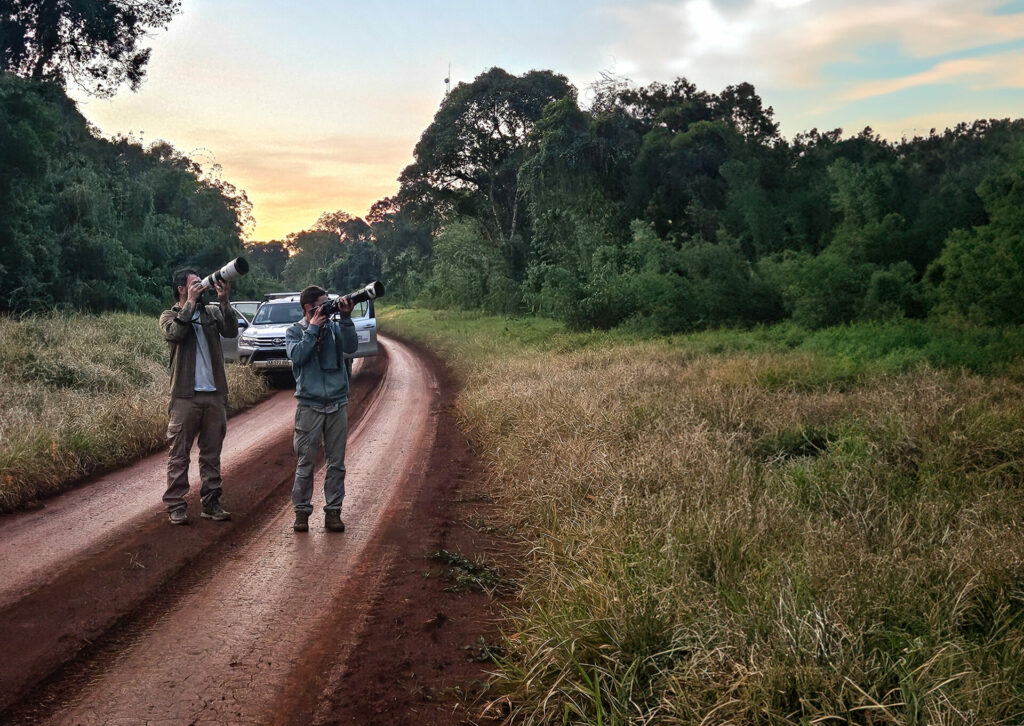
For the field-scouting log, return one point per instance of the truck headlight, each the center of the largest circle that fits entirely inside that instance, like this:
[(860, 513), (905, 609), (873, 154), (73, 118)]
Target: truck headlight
[(247, 340)]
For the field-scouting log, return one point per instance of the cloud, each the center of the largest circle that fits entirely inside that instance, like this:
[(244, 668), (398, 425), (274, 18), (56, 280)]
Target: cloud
[(996, 71), (787, 43)]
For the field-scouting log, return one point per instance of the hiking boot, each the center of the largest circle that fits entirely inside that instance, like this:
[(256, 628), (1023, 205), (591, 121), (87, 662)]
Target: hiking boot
[(301, 522), (215, 511), (332, 521), (178, 516)]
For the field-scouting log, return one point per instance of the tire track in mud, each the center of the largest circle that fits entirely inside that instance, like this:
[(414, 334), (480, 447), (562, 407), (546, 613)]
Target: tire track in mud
[(246, 636), (37, 546)]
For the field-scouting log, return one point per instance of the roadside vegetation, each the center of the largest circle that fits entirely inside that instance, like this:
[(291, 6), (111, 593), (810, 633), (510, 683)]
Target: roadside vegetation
[(84, 393), (769, 526)]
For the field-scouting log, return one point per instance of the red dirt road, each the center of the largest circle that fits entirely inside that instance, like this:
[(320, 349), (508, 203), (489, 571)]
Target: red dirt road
[(37, 546), (261, 625), (231, 649), (75, 568)]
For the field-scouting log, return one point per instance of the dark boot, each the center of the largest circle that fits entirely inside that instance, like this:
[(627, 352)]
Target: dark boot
[(301, 522), (178, 516), (215, 510), (332, 521)]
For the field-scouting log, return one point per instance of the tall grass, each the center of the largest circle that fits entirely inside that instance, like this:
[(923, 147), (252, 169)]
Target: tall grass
[(759, 527), (82, 393)]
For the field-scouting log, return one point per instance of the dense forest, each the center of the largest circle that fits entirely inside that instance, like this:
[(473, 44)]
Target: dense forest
[(99, 224), (665, 207), (674, 208)]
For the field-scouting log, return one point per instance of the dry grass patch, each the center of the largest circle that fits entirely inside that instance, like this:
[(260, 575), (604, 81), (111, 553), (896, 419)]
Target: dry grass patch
[(751, 537), (80, 394)]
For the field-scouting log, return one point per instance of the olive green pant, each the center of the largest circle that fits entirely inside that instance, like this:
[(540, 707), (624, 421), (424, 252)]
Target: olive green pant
[(204, 416), (312, 427)]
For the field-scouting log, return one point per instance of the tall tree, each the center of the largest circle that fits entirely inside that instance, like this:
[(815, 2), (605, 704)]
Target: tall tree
[(403, 241), (98, 224), (94, 43), (469, 157), (348, 227), (313, 251), (981, 270), (271, 255)]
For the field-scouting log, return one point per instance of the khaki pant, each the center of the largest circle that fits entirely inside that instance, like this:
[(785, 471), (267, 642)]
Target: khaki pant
[(312, 427), (203, 416)]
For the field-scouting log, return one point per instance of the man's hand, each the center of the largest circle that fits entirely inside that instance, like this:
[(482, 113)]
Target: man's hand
[(223, 289), (318, 317), (195, 290), (345, 305)]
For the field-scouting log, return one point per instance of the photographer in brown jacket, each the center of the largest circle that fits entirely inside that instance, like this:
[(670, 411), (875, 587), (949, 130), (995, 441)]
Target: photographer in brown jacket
[(199, 391)]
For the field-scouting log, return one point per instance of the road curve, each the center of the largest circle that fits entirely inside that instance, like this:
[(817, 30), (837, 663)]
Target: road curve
[(247, 643), (36, 546), (72, 570)]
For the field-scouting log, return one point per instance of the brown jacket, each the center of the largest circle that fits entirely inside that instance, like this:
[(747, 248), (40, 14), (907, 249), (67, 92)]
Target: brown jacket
[(176, 325)]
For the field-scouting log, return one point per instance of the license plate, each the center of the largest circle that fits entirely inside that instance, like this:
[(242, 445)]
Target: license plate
[(276, 363)]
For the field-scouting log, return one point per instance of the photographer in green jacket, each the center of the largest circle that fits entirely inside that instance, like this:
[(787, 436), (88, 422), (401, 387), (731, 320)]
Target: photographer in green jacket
[(316, 346), (199, 391)]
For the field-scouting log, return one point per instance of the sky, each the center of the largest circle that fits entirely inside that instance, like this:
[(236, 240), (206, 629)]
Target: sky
[(316, 106)]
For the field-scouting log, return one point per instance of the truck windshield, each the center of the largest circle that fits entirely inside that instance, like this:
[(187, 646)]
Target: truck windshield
[(246, 308), (278, 314)]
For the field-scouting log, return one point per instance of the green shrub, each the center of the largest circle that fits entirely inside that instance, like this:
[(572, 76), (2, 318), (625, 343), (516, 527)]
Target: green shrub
[(980, 272)]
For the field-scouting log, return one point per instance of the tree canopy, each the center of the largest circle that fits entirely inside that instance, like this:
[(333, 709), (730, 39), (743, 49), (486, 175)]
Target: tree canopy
[(96, 44), (99, 224), (677, 207), (664, 207), (468, 159)]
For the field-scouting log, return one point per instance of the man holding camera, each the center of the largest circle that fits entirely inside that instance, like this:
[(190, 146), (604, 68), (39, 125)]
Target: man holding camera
[(316, 346), (199, 392)]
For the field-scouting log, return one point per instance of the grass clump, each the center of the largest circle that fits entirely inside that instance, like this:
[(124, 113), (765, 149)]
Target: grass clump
[(779, 527), (464, 574), (84, 393)]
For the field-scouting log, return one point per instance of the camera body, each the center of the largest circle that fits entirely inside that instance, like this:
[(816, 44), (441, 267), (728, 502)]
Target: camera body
[(330, 308)]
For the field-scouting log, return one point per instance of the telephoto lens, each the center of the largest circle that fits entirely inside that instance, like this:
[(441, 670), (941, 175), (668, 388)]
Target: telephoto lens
[(371, 292), (231, 271)]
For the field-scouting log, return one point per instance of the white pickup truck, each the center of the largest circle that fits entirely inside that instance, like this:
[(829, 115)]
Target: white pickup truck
[(244, 311), (261, 344)]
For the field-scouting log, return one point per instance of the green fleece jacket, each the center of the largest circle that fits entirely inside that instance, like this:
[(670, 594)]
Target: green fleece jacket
[(318, 360), (176, 325)]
